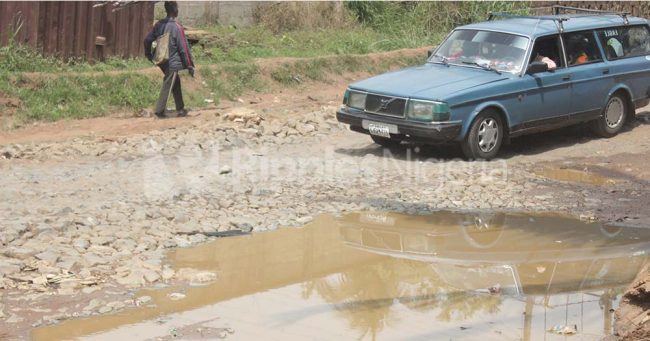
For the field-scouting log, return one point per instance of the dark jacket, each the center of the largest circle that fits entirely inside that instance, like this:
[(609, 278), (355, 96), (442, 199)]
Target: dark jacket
[(180, 56)]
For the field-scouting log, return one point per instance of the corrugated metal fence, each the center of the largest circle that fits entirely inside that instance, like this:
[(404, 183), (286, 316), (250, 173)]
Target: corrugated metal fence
[(76, 28)]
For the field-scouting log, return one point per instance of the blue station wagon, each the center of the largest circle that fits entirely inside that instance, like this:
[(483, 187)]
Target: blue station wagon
[(494, 80)]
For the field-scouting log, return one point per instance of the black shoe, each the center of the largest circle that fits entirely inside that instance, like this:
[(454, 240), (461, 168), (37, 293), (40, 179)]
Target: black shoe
[(181, 113), (160, 114)]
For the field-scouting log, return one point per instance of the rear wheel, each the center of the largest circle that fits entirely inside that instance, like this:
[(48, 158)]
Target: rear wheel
[(385, 142), (613, 118), (484, 137)]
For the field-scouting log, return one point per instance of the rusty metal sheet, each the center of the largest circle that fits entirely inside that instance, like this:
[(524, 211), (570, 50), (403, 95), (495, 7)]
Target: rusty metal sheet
[(70, 28)]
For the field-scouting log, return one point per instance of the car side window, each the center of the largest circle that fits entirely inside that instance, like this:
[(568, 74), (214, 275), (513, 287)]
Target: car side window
[(581, 48), (622, 42), (548, 50)]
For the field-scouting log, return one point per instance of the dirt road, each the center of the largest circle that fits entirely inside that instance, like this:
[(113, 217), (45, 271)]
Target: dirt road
[(87, 216)]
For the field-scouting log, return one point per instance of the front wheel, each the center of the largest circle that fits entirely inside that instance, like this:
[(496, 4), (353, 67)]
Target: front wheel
[(611, 121), (484, 137)]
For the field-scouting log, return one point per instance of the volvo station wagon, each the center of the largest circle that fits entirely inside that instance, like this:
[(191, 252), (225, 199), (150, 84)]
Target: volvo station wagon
[(491, 81)]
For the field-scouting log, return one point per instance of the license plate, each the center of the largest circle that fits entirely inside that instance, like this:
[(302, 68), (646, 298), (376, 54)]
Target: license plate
[(379, 129)]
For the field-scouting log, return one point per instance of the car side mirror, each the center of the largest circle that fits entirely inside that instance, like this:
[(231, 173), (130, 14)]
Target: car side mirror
[(429, 53), (536, 67)]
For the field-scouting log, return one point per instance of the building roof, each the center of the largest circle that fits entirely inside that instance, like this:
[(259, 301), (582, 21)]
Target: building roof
[(533, 27)]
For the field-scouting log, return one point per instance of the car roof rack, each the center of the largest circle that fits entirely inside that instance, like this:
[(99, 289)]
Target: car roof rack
[(558, 17), (589, 11)]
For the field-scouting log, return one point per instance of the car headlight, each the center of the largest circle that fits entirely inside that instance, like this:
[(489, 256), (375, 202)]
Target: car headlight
[(427, 111), (356, 100)]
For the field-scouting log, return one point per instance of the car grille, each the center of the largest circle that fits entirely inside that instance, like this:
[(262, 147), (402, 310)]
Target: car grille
[(385, 105)]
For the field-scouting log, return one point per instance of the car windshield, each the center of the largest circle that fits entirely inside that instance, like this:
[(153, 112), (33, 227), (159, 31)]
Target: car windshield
[(494, 50)]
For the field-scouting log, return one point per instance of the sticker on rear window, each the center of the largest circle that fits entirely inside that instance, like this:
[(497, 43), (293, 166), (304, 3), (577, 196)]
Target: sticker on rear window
[(611, 33)]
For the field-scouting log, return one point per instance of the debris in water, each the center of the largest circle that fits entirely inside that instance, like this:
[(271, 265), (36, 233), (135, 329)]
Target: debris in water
[(173, 332), (495, 289), (588, 217), (203, 278), (229, 233), (176, 296), (225, 170), (564, 330)]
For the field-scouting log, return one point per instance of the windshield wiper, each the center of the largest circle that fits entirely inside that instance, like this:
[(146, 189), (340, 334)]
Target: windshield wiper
[(443, 59), (482, 66)]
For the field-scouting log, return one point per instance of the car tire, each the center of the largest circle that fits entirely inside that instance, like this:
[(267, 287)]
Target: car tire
[(485, 136), (385, 142), (613, 117)]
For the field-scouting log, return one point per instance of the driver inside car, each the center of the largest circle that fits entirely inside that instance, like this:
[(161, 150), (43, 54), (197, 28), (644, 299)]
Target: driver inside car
[(551, 64)]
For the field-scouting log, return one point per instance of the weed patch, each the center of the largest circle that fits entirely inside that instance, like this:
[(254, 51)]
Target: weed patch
[(319, 69), (53, 98)]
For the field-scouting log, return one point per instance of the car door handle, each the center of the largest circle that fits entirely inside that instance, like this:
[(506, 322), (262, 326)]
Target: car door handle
[(566, 78), (606, 71)]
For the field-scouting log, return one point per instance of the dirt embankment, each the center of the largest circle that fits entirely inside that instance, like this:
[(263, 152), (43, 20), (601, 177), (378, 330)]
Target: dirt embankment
[(263, 63), (279, 100), (633, 314)]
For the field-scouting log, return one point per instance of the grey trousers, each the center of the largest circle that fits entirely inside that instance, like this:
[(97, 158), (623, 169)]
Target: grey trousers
[(171, 84)]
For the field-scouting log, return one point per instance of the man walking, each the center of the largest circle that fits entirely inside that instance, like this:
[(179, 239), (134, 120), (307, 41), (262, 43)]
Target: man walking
[(180, 58)]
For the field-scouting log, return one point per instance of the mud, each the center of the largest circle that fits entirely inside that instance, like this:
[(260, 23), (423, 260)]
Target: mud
[(447, 275), (574, 175)]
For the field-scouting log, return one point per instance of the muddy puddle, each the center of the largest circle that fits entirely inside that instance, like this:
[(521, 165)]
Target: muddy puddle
[(445, 276), (574, 175)]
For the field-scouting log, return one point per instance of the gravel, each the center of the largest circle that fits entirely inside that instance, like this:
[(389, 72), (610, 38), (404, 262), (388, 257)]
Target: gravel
[(103, 211)]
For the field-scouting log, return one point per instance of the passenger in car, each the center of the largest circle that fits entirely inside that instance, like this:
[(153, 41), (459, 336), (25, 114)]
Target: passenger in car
[(614, 48), (581, 58), (577, 44)]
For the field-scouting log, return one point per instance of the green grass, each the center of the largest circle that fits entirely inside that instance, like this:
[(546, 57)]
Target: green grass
[(381, 26), (240, 45), (229, 45), (67, 91), (231, 80), (319, 69), (22, 58), (80, 96), (60, 96)]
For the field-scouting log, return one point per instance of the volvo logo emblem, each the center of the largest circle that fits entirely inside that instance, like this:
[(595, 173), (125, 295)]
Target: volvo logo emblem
[(385, 102)]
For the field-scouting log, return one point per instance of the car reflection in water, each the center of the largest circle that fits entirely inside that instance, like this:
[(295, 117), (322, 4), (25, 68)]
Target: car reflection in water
[(547, 262), (447, 275)]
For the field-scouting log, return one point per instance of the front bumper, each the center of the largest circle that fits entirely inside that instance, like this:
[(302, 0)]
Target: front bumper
[(437, 132)]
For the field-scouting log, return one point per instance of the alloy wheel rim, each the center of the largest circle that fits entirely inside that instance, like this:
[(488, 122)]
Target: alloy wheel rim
[(614, 112), (488, 135)]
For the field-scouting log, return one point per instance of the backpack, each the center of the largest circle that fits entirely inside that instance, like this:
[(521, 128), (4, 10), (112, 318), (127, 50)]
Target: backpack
[(161, 53)]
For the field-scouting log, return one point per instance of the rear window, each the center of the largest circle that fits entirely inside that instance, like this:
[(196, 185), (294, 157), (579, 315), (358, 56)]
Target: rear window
[(622, 42)]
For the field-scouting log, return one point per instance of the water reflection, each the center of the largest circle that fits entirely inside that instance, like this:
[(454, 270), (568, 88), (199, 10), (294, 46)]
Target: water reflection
[(468, 263), (390, 276)]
